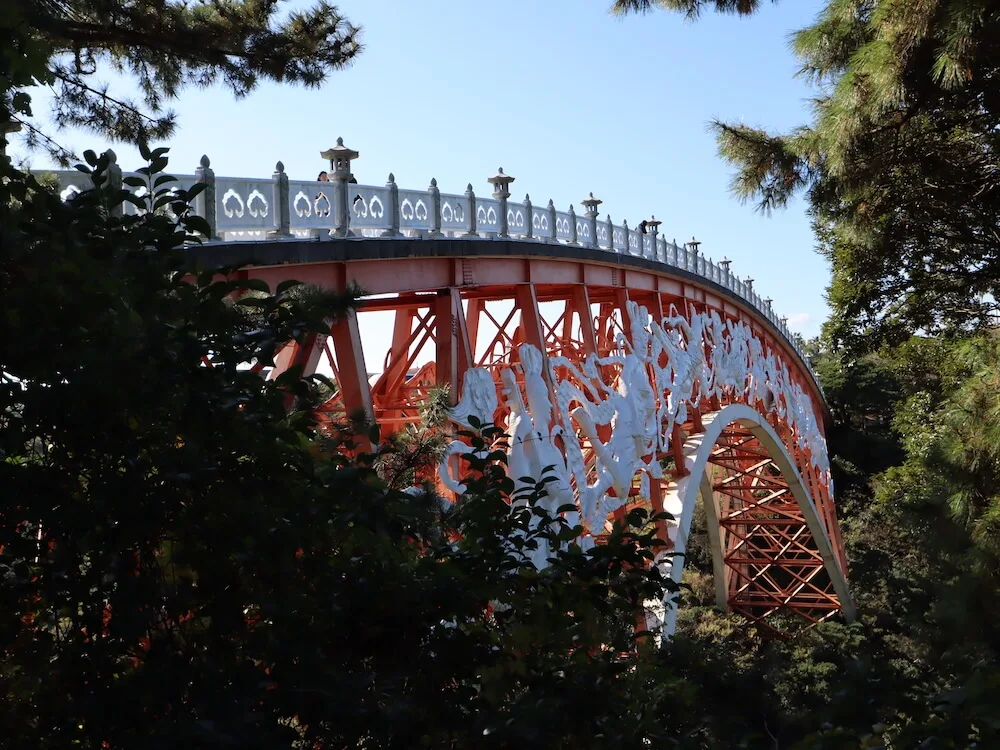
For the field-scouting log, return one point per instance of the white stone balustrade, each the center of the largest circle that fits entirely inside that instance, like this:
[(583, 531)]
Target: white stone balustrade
[(275, 208)]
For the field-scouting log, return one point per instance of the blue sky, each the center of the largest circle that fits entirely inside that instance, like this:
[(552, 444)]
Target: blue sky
[(565, 97)]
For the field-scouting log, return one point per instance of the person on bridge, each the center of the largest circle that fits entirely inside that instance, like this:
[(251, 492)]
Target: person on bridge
[(323, 177), (642, 226)]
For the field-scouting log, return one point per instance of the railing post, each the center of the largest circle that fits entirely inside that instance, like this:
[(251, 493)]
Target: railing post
[(471, 196), (393, 230), (529, 218), (114, 182), (279, 199), (552, 221), (204, 203), (590, 203), (340, 157), (628, 247), (611, 233), (435, 201), (501, 191), (572, 225)]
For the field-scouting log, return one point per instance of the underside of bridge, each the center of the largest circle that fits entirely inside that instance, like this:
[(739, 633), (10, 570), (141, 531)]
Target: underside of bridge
[(658, 388)]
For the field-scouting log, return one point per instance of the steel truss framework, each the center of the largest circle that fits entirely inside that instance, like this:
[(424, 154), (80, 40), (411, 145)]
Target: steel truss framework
[(455, 313)]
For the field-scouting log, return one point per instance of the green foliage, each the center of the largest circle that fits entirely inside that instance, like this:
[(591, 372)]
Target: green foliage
[(164, 46), (184, 561)]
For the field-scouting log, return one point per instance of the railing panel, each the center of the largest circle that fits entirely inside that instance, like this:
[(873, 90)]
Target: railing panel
[(369, 207), (454, 213), (634, 242), (487, 215), (619, 237), (603, 238), (648, 245), (517, 220), (564, 229), (244, 204), (414, 209), (541, 223), (310, 205), (583, 231)]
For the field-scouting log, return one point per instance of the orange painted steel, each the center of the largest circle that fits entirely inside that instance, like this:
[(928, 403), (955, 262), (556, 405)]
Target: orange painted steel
[(454, 313)]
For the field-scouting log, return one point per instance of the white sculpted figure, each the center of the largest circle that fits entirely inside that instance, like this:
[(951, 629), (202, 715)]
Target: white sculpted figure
[(689, 357), (479, 399)]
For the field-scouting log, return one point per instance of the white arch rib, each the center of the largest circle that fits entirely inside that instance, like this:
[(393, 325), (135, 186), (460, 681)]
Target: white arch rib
[(682, 494)]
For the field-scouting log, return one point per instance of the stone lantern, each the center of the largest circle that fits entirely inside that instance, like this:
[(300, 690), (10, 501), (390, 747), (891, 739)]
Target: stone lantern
[(501, 191), (340, 157), (590, 204)]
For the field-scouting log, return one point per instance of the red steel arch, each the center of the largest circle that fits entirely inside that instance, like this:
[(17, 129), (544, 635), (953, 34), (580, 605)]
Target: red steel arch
[(604, 324)]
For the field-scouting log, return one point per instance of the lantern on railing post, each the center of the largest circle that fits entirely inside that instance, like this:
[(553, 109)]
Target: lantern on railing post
[(279, 199), (727, 280), (770, 310), (340, 157), (590, 204), (435, 201), (693, 246), (501, 191), (653, 228), (204, 202), (470, 195)]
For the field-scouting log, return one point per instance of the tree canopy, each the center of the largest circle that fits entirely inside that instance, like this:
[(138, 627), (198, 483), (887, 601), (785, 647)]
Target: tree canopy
[(162, 46), (899, 162)]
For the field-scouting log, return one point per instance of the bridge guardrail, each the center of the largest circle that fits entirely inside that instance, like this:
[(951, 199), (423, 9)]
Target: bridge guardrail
[(255, 209)]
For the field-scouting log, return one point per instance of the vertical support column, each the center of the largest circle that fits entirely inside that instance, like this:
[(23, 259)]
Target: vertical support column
[(351, 366), (282, 211), (472, 319), (204, 203), (581, 303), (340, 157), (399, 354), (453, 356), (445, 339), (464, 342)]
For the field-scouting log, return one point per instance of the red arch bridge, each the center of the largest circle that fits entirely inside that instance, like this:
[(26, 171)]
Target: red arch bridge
[(645, 373)]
